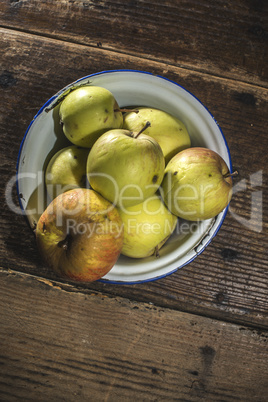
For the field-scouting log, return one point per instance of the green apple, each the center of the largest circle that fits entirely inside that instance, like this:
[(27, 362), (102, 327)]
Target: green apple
[(197, 184), (80, 235), (125, 168), (87, 112), (170, 133), (66, 170), (147, 226)]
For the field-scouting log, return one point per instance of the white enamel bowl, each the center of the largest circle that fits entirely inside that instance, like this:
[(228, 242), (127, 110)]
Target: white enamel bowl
[(130, 88)]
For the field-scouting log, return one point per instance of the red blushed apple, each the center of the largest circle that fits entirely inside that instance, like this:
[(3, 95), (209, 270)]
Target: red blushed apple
[(80, 235), (197, 184)]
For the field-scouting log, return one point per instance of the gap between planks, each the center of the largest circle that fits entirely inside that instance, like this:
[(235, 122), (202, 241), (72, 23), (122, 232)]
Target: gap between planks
[(79, 289), (166, 67)]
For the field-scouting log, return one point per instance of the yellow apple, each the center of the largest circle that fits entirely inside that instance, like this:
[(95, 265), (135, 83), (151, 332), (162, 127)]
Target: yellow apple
[(147, 226), (197, 184), (66, 170), (87, 112), (170, 133), (124, 167)]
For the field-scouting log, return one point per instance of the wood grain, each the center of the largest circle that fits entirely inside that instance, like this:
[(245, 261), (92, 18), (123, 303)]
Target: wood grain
[(58, 346), (229, 279), (199, 334), (179, 33)]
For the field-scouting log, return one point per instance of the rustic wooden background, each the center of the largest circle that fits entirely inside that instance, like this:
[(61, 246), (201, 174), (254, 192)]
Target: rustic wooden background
[(201, 333)]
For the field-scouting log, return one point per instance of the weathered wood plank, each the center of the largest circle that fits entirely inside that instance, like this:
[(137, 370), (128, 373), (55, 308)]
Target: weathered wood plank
[(229, 280), (179, 33), (58, 346)]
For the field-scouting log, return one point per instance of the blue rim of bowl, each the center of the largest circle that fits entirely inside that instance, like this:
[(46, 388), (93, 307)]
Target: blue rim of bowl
[(116, 282)]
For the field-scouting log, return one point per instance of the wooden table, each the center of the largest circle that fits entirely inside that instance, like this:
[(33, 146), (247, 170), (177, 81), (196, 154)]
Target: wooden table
[(200, 333)]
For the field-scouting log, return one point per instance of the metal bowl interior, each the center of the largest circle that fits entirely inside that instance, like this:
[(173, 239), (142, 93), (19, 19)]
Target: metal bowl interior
[(130, 88)]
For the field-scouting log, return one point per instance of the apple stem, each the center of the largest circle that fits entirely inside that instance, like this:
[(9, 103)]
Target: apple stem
[(156, 252), (65, 243), (126, 110), (147, 124), (235, 173)]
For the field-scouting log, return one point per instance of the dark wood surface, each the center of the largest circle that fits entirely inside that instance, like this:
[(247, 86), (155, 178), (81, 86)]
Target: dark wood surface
[(201, 333)]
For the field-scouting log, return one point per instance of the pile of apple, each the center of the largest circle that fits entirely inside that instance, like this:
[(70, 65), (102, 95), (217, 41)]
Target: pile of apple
[(122, 184)]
